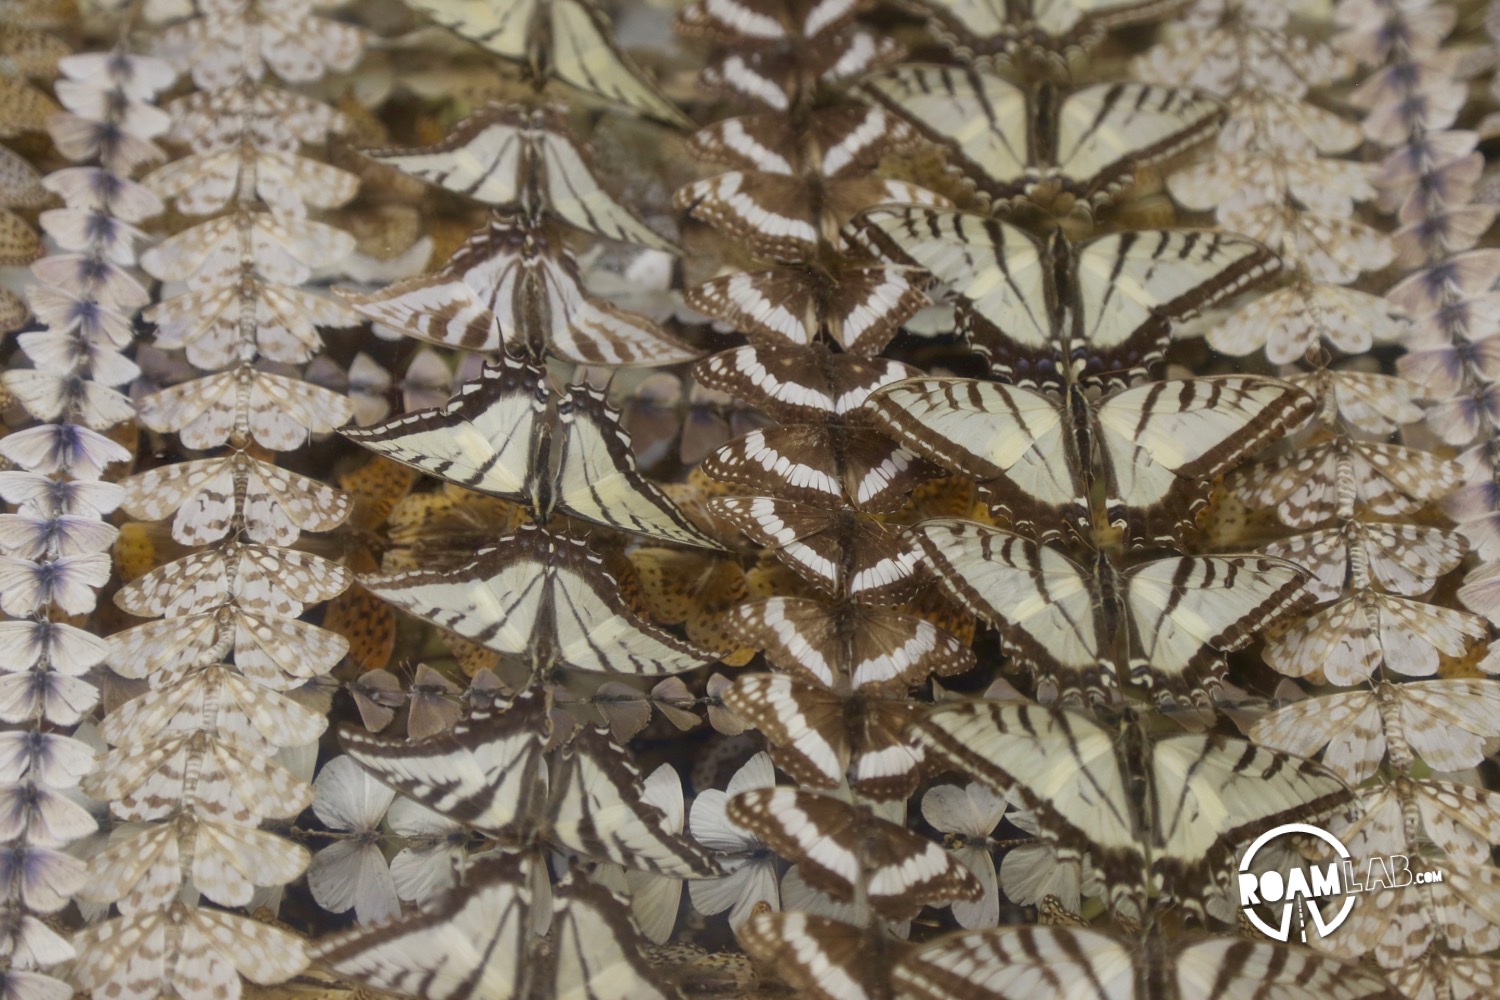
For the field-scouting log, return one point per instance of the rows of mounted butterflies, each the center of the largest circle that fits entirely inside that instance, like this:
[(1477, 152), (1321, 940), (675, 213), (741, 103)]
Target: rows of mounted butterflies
[(1047, 489)]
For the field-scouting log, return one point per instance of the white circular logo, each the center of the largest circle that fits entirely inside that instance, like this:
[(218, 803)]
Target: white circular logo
[(1299, 891)]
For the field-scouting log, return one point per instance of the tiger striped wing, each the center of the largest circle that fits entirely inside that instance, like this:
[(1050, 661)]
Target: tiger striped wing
[(597, 479), (485, 438), (1129, 287), (597, 949), (835, 843), (585, 54), (1163, 443), (1186, 612), (580, 50), (1010, 963), (573, 191), (474, 944), (1107, 131), (481, 772), (998, 275), (1046, 606), (1012, 440), (482, 157), (545, 596), (981, 118), (597, 809)]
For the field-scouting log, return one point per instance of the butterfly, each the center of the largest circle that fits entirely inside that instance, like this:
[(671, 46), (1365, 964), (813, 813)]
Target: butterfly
[(844, 552), (841, 848), (543, 596), (1171, 621), (859, 305), (835, 140), (515, 285), (1345, 642), (476, 943), (1398, 558), (489, 773), (1167, 811), (570, 40), (515, 158), (510, 433), (1012, 143), (791, 218), (1159, 445), (818, 736), (1053, 312), (848, 645)]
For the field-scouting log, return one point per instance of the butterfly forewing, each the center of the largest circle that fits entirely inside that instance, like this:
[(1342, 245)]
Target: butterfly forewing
[(540, 595), (835, 645), (1206, 794), (474, 944), (836, 844), (481, 772), (483, 438), (598, 950), (1013, 962), (598, 480), (597, 809), (841, 551)]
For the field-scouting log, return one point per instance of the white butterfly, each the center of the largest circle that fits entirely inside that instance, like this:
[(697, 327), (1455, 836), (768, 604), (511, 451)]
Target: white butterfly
[(351, 872), (750, 873), (69, 449), (69, 582), (183, 948), (1448, 723)]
